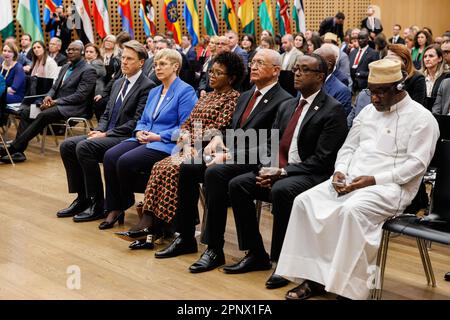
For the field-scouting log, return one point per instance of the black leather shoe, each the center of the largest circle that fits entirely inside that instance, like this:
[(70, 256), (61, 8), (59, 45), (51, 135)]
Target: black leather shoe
[(93, 212), (209, 260), (76, 207), (447, 276), (178, 247), (134, 235), (16, 157), (251, 262), (275, 281), (148, 243)]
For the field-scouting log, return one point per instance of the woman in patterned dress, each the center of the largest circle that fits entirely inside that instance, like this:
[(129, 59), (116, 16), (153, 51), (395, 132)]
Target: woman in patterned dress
[(212, 114)]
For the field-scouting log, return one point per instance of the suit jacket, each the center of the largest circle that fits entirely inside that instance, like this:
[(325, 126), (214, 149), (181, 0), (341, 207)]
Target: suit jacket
[(400, 40), (321, 135), (343, 64), (378, 26), (241, 52), (178, 103), (336, 89), (191, 54), (295, 53), (417, 87), (131, 109), (261, 118), (328, 25), (361, 73), (75, 94), (442, 103), (429, 101)]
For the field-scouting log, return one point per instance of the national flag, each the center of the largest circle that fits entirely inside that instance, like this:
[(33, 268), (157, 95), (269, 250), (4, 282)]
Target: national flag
[(210, 18), (299, 16), (85, 14), (101, 17), (29, 18), (147, 14), (127, 18), (190, 14), (245, 13), (170, 12), (283, 17), (7, 20), (266, 15), (49, 9), (229, 15)]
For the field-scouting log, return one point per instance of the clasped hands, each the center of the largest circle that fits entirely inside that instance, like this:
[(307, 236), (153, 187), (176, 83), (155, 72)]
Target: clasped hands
[(268, 176), (144, 137), (48, 102), (342, 188), (217, 150)]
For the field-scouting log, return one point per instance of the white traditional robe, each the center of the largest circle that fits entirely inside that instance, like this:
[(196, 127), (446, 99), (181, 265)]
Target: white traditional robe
[(333, 240)]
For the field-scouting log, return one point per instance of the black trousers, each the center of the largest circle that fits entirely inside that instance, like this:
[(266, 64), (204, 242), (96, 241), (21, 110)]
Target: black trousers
[(81, 158), (243, 191), (127, 167), (30, 128), (216, 186)]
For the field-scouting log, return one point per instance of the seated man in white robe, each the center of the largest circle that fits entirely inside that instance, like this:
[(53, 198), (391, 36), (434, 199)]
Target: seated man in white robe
[(335, 228)]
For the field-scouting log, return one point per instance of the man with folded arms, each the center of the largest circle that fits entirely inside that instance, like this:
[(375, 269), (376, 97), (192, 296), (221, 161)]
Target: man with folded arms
[(81, 155), (335, 228)]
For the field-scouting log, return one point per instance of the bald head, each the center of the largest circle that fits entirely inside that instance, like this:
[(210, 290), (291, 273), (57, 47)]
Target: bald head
[(329, 54)]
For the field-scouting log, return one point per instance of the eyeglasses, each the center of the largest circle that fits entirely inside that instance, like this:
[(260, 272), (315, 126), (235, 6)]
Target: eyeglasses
[(295, 69), (216, 73), (259, 63), (445, 52)]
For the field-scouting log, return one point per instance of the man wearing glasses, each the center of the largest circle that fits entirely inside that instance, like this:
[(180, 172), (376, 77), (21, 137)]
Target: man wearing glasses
[(312, 128), (335, 228), (69, 97)]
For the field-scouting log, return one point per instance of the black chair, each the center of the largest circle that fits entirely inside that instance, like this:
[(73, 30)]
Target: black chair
[(433, 228), (286, 80)]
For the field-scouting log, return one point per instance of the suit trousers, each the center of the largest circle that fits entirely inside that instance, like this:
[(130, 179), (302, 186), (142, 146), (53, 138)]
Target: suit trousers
[(243, 191), (217, 178), (191, 175), (30, 128), (127, 167), (81, 158)]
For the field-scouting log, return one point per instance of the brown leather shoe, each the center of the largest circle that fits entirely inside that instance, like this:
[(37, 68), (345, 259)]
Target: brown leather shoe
[(305, 291)]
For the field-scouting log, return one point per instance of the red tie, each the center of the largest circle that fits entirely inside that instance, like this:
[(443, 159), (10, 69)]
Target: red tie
[(288, 134), (357, 58), (249, 108)]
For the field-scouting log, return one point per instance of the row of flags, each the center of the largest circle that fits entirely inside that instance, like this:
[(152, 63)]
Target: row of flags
[(28, 16)]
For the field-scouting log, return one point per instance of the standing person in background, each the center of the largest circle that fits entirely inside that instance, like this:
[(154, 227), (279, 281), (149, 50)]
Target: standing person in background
[(372, 23), (396, 38), (334, 25), (58, 23)]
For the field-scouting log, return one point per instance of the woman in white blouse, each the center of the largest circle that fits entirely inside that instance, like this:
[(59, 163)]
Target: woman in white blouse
[(43, 66)]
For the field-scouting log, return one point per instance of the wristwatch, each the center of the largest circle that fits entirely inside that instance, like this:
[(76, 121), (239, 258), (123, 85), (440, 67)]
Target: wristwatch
[(283, 172)]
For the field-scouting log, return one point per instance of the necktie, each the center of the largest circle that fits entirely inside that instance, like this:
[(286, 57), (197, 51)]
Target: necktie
[(249, 108), (68, 73), (358, 57), (118, 105), (288, 134)]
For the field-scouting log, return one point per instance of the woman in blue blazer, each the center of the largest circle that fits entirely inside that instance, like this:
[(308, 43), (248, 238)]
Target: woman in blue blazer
[(128, 165)]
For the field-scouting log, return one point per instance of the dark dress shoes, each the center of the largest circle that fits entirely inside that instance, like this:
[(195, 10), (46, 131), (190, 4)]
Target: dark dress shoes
[(306, 290), (148, 243), (76, 207), (275, 281), (209, 260), (134, 235), (16, 157), (251, 262), (447, 276), (108, 225), (178, 247), (93, 212)]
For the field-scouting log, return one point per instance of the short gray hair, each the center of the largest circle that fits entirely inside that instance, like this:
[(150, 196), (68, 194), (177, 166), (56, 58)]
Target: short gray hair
[(170, 54), (274, 56), (137, 47)]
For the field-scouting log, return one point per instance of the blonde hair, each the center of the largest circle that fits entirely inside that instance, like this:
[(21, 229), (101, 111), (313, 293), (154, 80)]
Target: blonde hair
[(170, 54), (112, 38)]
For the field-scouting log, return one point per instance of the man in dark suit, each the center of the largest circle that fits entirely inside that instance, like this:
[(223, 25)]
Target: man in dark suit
[(69, 97), (312, 129), (360, 60), (334, 25), (255, 110), (233, 39), (81, 155), (54, 51), (396, 39), (372, 23)]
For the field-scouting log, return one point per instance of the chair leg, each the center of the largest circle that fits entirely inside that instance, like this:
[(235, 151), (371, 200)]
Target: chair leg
[(421, 247), (258, 205), (54, 135), (380, 282), (205, 209), (7, 151), (429, 268)]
